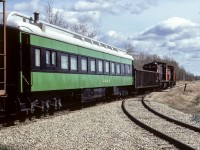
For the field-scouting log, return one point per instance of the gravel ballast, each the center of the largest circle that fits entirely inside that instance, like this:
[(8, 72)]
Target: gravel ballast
[(99, 127)]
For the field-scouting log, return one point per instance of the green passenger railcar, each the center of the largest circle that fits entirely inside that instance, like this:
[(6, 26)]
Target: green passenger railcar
[(51, 66), (50, 76)]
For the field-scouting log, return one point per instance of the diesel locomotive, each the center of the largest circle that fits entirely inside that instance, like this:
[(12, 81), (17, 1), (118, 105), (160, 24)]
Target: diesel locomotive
[(47, 67)]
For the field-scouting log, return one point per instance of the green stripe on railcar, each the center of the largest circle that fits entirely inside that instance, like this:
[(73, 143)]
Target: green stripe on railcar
[(52, 44), (42, 81), (91, 53), (65, 47)]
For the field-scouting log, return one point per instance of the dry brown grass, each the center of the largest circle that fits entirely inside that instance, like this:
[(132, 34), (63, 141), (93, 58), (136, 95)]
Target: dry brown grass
[(186, 101)]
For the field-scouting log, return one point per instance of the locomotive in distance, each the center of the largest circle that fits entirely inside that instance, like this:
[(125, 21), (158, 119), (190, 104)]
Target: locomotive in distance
[(48, 67)]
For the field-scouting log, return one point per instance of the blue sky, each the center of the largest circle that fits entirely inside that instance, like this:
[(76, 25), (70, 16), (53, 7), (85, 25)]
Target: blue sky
[(162, 27)]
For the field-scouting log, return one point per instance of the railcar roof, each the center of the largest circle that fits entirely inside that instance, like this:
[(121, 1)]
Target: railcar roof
[(41, 28)]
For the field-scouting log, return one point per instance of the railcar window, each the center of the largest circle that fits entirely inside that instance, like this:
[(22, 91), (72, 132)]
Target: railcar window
[(113, 68), (93, 65), (100, 66), (107, 70), (73, 63), (84, 64), (128, 69), (64, 62), (48, 54), (37, 57), (122, 69), (118, 68), (53, 58)]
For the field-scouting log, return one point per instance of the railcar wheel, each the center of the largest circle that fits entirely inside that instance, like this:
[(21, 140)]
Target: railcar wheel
[(9, 121), (8, 124), (22, 116), (51, 111), (38, 112)]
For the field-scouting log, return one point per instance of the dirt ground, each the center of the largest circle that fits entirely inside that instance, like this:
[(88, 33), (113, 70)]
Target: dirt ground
[(187, 101)]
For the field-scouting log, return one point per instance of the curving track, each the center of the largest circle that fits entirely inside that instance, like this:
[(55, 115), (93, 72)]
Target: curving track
[(182, 124), (182, 137)]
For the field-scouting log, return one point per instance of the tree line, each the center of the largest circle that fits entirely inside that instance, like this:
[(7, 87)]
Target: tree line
[(141, 58)]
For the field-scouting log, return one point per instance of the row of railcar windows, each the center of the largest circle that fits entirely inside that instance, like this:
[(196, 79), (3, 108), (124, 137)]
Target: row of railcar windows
[(81, 64)]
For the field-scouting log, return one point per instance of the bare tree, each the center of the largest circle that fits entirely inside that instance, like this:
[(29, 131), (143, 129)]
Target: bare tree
[(83, 29), (56, 17), (129, 49), (93, 33)]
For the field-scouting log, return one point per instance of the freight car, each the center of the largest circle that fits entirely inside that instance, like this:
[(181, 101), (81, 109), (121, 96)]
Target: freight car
[(48, 67), (166, 72), (146, 80)]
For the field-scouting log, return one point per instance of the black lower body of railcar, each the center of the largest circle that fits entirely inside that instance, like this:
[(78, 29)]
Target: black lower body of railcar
[(146, 80)]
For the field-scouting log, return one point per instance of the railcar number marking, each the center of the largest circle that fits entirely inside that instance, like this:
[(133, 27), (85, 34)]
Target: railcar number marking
[(106, 81)]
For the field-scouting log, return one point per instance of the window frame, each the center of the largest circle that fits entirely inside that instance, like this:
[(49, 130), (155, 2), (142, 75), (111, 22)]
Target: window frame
[(81, 70), (49, 57), (111, 68), (90, 67), (70, 63), (128, 70), (118, 73), (98, 71), (105, 69), (35, 61), (54, 57), (122, 69)]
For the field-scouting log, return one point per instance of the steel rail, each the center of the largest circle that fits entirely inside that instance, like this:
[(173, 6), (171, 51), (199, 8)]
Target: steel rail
[(161, 135), (196, 129)]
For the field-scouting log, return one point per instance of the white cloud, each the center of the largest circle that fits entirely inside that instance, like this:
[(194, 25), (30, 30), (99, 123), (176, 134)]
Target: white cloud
[(115, 38), (89, 6), (31, 6), (98, 5), (177, 38), (87, 11), (114, 7), (171, 27), (91, 18)]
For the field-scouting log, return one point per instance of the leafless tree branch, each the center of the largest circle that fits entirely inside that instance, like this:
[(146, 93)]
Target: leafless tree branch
[(56, 18)]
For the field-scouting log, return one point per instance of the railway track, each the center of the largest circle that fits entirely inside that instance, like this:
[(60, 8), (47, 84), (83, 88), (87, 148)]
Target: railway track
[(15, 121), (176, 133)]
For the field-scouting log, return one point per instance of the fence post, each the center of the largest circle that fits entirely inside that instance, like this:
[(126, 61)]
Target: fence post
[(185, 87)]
